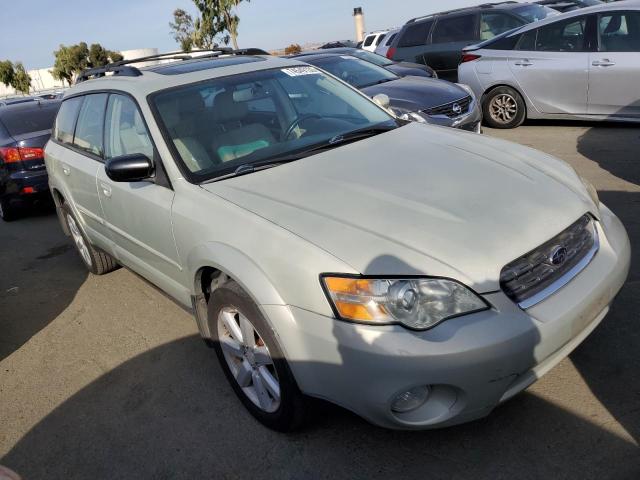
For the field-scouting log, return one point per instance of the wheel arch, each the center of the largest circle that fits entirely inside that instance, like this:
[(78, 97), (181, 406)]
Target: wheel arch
[(212, 264)]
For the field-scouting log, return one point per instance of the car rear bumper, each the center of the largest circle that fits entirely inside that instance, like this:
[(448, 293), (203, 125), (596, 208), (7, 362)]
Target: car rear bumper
[(25, 186), (471, 363)]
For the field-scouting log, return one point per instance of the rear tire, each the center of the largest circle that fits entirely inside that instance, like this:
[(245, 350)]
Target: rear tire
[(229, 310), (503, 107), (96, 261), (8, 213)]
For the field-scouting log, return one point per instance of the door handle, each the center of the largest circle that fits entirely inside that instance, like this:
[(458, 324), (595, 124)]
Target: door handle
[(66, 170), (523, 63), (106, 190), (605, 62)]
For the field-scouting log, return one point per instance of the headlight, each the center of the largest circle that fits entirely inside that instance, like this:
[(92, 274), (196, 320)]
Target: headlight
[(412, 117), (467, 88), (417, 303), (593, 193)]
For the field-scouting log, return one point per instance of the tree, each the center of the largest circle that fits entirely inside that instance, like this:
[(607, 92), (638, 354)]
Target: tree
[(292, 49), (15, 76), (183, 29), (73, 59), (6, 72), (21, 79), (220, 16)]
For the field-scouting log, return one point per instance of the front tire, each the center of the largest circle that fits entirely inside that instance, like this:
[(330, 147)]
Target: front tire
[(504, 107), (252, 360), (96, 261)]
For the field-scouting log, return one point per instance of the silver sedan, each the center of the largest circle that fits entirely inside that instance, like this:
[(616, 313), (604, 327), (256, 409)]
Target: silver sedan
[(581, 65)]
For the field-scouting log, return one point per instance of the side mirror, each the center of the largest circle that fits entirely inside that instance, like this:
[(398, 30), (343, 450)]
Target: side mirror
[(382, 100), (129, 168)]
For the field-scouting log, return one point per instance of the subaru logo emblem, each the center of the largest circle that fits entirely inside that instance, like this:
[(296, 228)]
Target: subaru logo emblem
[(457, 109), (558, 256)]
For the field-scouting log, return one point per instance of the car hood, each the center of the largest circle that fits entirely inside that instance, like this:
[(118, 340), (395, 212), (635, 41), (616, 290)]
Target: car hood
[(404, 71), (419, 200), (417, 93)]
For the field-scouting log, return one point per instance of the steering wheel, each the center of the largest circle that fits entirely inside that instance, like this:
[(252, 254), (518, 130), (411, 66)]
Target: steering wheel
[(297, 121)]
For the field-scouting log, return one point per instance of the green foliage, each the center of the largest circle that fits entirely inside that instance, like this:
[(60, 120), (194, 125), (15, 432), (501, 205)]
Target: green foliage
[(6, 72), (15, 76), (217, 22), (73, 59), (21, 79)]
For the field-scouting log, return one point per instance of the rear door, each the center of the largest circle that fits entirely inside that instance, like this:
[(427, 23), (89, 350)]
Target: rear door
[(614, 70), (551, 65), (450, 35), (411, 42), (138, 214), (75, 156)]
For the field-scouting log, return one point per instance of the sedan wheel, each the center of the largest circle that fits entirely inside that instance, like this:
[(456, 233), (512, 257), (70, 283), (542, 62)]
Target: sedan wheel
[(248, 359), (503, 107)]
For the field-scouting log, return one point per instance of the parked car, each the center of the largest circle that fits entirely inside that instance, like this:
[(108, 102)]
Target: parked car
[(340, 44), (416, 275), (584, 64), (14, 100), (24, 130), (384, 45), (373, 39), (417, 99), (437, 40), (401, 69), (568, 5)]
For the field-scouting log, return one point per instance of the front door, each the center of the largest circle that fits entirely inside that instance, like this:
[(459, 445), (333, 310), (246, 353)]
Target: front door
[(138, 214), (614, 75), (552, 66)]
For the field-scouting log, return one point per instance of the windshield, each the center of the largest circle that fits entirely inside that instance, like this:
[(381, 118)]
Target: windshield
[(239, 120), (354, 71), (534, 13), (372, 57)]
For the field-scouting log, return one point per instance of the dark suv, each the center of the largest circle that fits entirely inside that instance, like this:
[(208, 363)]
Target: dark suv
[(437, 40), (24, 130)]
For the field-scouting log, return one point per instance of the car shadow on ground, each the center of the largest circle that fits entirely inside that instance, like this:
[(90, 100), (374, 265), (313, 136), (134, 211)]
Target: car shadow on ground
[(169, 413), (41, 274)]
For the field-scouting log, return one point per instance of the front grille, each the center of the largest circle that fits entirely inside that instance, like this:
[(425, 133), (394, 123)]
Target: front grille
[(449, 109), (536, 275)]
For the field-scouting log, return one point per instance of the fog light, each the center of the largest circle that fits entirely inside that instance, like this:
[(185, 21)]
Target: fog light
[(410, 400)]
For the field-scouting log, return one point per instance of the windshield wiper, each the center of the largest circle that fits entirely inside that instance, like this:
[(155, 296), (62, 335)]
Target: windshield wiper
[(333, 142)]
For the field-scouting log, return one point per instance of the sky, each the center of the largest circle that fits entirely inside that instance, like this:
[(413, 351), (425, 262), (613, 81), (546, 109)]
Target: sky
[(33, 29)]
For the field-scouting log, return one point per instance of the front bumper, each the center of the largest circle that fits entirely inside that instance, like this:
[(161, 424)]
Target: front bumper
[(472, 363), (470, 120)]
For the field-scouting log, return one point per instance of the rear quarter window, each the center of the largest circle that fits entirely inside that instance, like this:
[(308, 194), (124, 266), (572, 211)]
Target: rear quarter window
[(20, 121), (415, 34)]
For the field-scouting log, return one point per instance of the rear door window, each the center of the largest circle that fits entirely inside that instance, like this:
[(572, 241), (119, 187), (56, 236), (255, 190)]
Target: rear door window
[(619, 32), (415, 35), (34, 119), (66, 120), (88, 136), (495, 23), (455, 29), (566, 36)]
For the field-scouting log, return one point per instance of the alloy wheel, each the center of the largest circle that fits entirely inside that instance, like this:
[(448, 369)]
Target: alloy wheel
[(503, 108), (248, 359), (79, 240)]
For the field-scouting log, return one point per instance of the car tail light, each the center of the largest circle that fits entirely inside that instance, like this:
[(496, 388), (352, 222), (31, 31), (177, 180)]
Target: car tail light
[(18, 154), (28, 190), (469, 57), (391, 52)]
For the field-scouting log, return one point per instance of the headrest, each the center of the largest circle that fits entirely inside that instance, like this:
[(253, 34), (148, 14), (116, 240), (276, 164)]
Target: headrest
[(190, 103), (226, 109)]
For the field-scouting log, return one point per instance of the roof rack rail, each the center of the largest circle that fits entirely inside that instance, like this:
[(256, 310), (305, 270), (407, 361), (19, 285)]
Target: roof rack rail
[(462, 9), (123, 68)]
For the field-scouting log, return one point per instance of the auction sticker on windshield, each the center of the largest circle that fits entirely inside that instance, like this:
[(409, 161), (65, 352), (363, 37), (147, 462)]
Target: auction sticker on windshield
[(298, 71)]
